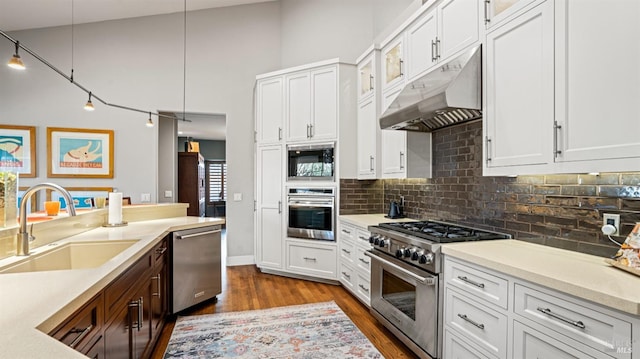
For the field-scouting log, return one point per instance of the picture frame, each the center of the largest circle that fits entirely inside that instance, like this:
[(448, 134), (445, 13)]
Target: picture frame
[(82, 196), (79, 153), (18, 150)]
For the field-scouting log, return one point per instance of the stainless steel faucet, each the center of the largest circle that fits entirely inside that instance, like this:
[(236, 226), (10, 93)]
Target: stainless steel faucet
[(23, 237)]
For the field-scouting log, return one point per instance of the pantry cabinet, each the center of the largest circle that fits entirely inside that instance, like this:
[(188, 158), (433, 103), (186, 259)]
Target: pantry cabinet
[(269, 111), (269, 207), (483, 306)]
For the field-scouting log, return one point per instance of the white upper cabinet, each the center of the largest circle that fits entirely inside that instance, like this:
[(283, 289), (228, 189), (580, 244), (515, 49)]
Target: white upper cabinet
[(519, 91), (311, 105), (496, 11), (269, 111), (598, 82), (366, 77), (440, 33), (394, 154), (367, 139), (393, 63)]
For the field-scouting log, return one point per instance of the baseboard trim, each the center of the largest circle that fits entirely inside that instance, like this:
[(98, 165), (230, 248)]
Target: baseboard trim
[(240, 261)]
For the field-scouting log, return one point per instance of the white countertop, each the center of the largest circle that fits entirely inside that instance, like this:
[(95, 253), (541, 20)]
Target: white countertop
[(29, 301), (582, 275)]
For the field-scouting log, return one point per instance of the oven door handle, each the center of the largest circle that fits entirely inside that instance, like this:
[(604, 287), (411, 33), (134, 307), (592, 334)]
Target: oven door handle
[(309, 204), (423, 280)]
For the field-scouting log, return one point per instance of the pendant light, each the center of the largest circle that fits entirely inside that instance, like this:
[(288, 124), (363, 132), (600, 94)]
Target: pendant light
[(150, 122), (89, 105), (16, 61)]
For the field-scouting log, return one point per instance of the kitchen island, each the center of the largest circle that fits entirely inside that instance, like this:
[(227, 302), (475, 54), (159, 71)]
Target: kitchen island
[(34, 303)]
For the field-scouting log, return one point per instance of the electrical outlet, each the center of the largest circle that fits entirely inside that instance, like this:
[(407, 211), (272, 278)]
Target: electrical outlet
[(168, 194), (613, 220), (145, 197)]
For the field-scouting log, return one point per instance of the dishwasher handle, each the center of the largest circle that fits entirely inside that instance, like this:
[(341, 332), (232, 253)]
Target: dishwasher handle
[(187, 236)]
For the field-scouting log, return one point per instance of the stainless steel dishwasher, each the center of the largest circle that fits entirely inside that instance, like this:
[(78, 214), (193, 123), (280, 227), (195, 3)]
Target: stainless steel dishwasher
[(195, 256)]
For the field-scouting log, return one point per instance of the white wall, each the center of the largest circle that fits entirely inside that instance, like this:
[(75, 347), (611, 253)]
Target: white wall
[(139, 63)]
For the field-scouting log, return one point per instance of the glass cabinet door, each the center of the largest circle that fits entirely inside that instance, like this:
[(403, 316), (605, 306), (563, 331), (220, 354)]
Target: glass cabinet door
[(366, 78), (393, 63)]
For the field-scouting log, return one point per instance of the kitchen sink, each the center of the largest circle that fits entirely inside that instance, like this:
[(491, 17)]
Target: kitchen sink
[(78, 255)]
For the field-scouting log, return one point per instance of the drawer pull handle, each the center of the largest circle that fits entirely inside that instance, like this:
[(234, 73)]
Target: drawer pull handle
[(345, 231), (472, 322), (364, 238), (363, 288), (575, 323), (474, 283), (346, 275), (161, 251), (346, 251), (309, 259), (83, 333), (363, 261)]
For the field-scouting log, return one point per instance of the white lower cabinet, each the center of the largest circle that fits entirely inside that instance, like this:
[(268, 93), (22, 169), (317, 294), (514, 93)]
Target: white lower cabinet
[(355, 266), (489, 314), (313, 259)]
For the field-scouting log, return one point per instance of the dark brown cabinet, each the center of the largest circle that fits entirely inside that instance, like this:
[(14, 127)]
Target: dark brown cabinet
[(191, 182), (126, 318)]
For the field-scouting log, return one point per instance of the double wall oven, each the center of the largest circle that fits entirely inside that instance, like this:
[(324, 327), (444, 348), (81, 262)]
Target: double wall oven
[(406, 279)]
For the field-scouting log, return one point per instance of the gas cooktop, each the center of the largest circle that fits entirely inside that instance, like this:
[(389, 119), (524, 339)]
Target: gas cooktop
[(442, 232)]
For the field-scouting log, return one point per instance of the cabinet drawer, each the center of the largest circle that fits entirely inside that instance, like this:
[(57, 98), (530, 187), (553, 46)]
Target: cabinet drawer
[(85, 324), (347, 277), (481, 284), (484, 326), (312, 260), (457, 348), (347, 232), (160, 250), (362, 261), (364, 289), (347, 250), (362, 238), (574, 319), (529, 343), (114, 294)]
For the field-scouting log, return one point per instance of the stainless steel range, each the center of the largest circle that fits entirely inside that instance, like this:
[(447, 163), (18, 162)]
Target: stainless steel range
[(406, 284)]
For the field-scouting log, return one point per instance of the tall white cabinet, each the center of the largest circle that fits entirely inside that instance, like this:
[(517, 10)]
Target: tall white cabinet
[(309, 104)]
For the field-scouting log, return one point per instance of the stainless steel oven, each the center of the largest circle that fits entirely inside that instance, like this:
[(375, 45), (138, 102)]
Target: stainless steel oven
[(311, 213)]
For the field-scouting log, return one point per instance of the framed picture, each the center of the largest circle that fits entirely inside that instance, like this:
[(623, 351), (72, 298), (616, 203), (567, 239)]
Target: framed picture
[(83, 197), (18, 149), (77, 152)]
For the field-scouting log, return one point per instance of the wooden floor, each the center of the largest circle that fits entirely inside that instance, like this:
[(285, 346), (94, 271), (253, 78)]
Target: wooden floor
[(246, 288)]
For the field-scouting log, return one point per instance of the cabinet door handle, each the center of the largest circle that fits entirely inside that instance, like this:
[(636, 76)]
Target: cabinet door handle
[(279, 133), (370, 82), (158, 278), (401, 160), (363, 288), (83, 333), (310, 259), (488, 149), (138, 305), (486, 11), (308, 131), (469, 281), (472, 322), (140, 313), (575, 323), (371, 163), (556, 128), (279, 207), (364, 238), (363, 261), (160, 251), (437, 48), (433, 51), (311, 131), (401, 68), (346, 275)]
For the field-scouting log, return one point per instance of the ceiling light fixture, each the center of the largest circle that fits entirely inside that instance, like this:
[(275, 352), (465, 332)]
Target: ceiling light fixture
[(150, 122), (89, 105), (16, 61)]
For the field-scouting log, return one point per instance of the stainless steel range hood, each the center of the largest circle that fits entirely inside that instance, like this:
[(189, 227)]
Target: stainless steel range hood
[(449, 94)]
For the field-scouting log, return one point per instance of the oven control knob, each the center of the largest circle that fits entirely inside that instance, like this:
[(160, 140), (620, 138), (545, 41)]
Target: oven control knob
[(408, 252), (371, 239), (426, 258), (376, 240), (416, 255), (383, 243), (400, 252)]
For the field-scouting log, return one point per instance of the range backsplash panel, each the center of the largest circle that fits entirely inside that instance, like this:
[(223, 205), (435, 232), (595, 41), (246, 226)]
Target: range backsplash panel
[(557, 210)]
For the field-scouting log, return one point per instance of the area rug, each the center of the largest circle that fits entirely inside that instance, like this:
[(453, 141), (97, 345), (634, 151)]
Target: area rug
[(310, 331)]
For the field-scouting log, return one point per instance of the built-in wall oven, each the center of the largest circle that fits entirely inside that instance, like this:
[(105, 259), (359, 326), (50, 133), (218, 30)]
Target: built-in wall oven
[(311, 213), (311, 162)]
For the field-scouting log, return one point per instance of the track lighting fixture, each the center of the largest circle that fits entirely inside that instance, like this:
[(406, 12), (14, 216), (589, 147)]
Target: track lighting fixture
[(150, 122), (16, 61), (89, 105)]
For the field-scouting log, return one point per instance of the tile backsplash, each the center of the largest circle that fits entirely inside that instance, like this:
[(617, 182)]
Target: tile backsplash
[(557, 210)]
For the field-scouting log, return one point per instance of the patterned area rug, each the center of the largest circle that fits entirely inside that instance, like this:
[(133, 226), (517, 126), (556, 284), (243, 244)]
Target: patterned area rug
[(310, 331)]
